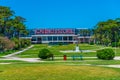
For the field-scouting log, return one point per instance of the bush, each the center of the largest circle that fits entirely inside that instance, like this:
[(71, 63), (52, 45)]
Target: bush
[(115, 44), (44, 54), (6, 44), (25, 42), (119, 43), (16, 41), (21, 43), (91, 43), (106, 54)]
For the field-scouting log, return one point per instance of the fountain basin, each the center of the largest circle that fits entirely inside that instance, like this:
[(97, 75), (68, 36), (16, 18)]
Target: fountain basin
[(77, 51)]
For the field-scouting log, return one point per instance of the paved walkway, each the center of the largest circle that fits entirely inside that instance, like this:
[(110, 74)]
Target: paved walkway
[(23, 59), (113, 66), (13, 57), (10, 55)]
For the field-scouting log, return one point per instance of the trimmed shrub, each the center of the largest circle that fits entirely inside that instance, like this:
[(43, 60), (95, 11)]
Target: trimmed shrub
[(44, 54), (106, 54)]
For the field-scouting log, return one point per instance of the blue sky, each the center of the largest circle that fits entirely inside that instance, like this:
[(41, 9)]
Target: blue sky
[(64, 13)]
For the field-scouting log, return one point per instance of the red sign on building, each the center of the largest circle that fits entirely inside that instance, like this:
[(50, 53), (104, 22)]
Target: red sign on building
[(55, 31)]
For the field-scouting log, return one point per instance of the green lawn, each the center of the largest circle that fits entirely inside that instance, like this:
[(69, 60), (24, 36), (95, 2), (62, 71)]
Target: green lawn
[(33, 52), (11, 61), (56, 71), (7, 52), (60, 69), (117, 51)]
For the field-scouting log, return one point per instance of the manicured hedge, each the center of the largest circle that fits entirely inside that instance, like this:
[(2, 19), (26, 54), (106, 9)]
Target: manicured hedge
[(44, 54), (106, 54)]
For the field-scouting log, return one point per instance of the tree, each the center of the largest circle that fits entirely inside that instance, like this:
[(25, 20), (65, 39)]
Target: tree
[(5, 15), (107, 32), (19, 26), (12, 26)]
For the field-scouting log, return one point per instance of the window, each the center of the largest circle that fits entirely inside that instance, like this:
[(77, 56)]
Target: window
[(65, 38), (33, 39), (49, 38), (60, 38), (44, 38), (54, 38), (70, 38)]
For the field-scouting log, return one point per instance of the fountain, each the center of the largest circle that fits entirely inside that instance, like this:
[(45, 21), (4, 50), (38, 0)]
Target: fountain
[(77, 48)]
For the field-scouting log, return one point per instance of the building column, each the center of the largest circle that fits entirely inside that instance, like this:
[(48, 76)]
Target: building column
[(62, 38), (67, 38), (57, 38), (52, 38), (36, 39), (46, 38)]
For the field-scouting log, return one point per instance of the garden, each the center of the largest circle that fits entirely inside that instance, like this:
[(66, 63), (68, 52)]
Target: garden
[(89, 68)]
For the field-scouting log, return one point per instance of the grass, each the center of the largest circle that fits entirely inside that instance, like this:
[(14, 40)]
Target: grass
[(63, 70), (104, 62), (91, 61), (10, 61), (33, 52), (117, 51), (56, 71), (7, 52)]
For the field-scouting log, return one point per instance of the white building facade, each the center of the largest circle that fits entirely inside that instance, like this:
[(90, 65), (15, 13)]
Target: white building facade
[(58, 36)]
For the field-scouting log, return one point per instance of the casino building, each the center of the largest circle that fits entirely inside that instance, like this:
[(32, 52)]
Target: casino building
[(58, 36)]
